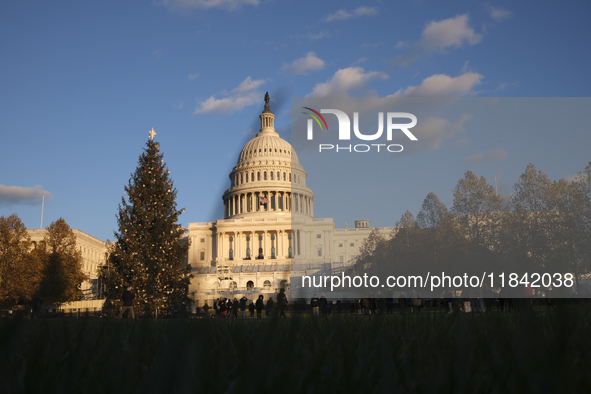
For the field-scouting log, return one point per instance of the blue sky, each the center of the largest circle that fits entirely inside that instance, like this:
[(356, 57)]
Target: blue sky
[(82, 83)]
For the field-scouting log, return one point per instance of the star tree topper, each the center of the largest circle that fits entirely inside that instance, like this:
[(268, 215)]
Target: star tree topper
[(152, 134)]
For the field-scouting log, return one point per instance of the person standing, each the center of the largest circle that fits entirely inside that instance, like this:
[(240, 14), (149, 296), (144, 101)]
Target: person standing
[(260, 305), (235, 308), (323, 304), (315, 303), (229, 307), (127, 298), (270, 305), (251, 309), (449, 301), (282, 301), (223, 307), (243, 306)]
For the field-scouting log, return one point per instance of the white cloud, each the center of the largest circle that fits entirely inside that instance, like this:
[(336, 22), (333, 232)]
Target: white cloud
[(313, 36), (157, 53), (304, 65), (342, 15), (489, 155), (452, 32), (433, 132), (192, 76), (360, 60), (443, 85), (243, 95), (499, 14), (12, 195), (229, 5), (247, 85), (346, 80)]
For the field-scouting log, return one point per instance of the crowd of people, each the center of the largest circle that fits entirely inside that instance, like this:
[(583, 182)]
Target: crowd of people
[(233, 308), (320, 306)]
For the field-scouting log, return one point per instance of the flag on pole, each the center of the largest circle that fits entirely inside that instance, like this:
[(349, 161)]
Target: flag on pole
[(263, 200)]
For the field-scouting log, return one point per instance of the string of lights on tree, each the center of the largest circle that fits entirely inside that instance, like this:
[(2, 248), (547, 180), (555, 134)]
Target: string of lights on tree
[(149, 253)]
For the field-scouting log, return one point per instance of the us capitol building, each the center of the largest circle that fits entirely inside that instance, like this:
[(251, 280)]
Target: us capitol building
[(269, 232)]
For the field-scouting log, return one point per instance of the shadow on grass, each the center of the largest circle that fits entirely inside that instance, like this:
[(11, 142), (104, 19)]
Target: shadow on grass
[(527, 351)]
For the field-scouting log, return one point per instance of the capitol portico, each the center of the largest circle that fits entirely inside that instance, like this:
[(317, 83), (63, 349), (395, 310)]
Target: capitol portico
[(269, 232)]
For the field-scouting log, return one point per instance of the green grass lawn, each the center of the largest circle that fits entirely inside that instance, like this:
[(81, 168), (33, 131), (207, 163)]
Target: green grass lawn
[(529, 351)]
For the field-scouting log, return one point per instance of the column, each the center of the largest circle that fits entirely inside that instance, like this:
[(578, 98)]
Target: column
[(209, 251), (218, 239), (238, 246), (265, 251), (325, 247)]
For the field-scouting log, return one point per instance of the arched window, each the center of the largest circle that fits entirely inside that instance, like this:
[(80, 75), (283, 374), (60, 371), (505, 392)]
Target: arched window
[(252, 177), (266, 284), (241, 178), (249, 284), (283, 284), (265, 175), (284, 177), (247, 177), (290, 176), (233, 285), (271, 175), (258, 176)]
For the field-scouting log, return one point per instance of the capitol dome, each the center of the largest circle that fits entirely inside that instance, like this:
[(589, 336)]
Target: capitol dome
[(268, 177)]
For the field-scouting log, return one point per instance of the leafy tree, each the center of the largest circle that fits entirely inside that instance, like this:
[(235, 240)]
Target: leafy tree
[(581, 203), (20, 271), (478, 206), (149, 253), (371, 250), (433, 212), (62, 272)]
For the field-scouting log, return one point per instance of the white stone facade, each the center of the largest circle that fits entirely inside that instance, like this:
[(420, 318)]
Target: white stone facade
[(258, 246), (94, 255)]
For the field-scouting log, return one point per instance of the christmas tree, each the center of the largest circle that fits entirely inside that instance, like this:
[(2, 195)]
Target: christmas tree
[(149, 253)]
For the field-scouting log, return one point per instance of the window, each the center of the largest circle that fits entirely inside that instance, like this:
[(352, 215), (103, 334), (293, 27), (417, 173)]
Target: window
[(265, 175), (241, 178), (340, 259), (278, 176), (340, 245), (283, 283), (271, 175), (352, 244), (267, 284), (250, 284), (201, 256), (318, 235), (258, 176), (202, 240), (284, 177), (233, 285), (319, 252)]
